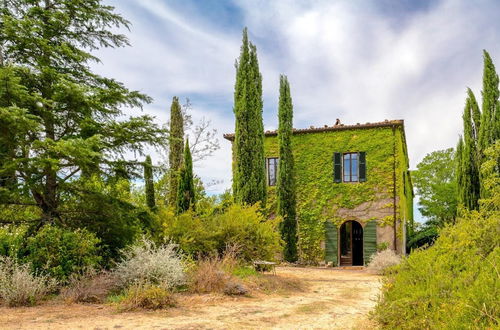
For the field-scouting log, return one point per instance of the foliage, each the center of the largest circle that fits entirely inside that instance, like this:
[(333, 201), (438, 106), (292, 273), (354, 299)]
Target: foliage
[(69, 120), (12, 241), (286, 193), (19, 287), (243, 226), (452, 285), (60, 252), (490, 115), (468, 164), (149, 184), (436, 185), (481, 130), (107, 210), (176, 145), (249, 177), (319, 199), (145, 263), (382, 261), (490, 172), (147, 296), (186, 193), (89, 286), (424, 236)]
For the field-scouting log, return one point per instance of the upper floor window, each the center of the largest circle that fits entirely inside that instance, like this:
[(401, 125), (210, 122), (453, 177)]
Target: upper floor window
[(272, 170), (349, 167)]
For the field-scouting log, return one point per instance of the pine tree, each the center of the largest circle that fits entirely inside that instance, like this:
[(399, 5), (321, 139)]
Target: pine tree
[(149, 183), (286, 173), (51, 47), (249, 176), (176, 145), (490, 117), (186, 194), (469, 169)]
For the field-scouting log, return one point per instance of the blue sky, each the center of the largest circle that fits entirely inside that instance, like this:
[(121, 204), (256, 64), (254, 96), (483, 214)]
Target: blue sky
[(360, 61)]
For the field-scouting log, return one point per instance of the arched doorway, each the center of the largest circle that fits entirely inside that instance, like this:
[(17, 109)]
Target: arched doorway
[(351, 244)]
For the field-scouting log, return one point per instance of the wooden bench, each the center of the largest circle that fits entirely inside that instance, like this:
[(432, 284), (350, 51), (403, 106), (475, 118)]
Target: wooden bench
[(262, 266)]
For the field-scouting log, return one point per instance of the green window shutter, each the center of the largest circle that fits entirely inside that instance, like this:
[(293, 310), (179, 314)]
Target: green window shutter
[(362, 166), (330, 242), (337, 167), (369, 240)]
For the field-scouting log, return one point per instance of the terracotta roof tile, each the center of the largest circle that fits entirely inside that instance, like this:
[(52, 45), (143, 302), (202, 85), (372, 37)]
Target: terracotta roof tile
[(326, 128)]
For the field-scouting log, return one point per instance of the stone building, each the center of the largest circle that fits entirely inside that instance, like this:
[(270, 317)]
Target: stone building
[(354, 192)]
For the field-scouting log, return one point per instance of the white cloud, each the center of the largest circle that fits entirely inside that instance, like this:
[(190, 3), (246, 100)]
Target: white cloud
[(343, 59)]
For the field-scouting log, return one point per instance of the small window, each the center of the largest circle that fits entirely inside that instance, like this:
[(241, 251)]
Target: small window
[(272, 171), (350, 167)]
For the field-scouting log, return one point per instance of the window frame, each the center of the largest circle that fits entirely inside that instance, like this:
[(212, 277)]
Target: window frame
[(268, 171), (350, 164)]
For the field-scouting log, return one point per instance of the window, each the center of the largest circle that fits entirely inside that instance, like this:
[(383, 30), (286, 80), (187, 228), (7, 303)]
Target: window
[(350, 167), (272, 171)]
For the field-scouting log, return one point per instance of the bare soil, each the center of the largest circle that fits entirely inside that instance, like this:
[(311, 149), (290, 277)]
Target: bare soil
[(332, 299)]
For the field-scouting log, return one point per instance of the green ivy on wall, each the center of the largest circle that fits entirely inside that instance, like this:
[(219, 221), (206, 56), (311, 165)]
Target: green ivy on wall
[(319, 198)]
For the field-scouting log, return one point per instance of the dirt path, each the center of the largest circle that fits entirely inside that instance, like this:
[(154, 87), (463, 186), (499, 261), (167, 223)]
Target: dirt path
[(334, 299)]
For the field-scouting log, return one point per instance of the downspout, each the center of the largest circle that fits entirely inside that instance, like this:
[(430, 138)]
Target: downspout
[(394, 184)]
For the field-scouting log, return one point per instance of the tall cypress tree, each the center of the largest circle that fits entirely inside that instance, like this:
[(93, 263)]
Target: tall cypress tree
[(185, 194), (149, 183), (460, 172), (176, 145), (470, 157), (490, 117), (249, 176), (286, 173)]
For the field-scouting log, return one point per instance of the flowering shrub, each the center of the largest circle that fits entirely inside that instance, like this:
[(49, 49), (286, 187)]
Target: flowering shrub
[(145, 263)]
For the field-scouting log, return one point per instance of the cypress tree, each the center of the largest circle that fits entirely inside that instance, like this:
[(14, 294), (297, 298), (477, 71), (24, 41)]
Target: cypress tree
[(149, 184), (490, 117), (176, 145), (286, 173), (249, 176), (185, 195), (470, 156), (460, 172)]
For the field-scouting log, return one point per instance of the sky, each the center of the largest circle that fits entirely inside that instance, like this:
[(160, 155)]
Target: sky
[(360, 61)]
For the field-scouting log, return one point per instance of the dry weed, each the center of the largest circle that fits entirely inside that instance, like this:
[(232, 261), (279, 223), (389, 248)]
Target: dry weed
[(91, 286), (383, 260)]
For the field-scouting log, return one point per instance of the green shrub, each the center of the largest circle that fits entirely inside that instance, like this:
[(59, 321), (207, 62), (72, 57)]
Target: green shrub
[(246, 228), (241, 226), (12, 239), (60, 252), (454, 284), (20, 287)]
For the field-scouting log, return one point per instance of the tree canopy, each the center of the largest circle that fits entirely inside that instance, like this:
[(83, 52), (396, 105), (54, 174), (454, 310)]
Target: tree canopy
[(436, 184), (65, 136)]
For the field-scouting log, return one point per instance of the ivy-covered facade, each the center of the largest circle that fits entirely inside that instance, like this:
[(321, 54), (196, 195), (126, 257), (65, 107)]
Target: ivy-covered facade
[(354, 191)]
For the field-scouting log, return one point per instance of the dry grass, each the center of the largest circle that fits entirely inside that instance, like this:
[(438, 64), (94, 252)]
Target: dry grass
[(274, 284), (213, 274), (90, 287), (147, 297)]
